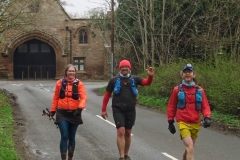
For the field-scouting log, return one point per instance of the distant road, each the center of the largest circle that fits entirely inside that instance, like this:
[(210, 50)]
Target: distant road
[(96, 138)]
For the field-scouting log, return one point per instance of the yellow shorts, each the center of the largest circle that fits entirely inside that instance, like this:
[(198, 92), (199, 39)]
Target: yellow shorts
[(188, 130)]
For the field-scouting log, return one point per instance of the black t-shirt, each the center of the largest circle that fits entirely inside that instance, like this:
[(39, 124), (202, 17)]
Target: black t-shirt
[(125, 100)]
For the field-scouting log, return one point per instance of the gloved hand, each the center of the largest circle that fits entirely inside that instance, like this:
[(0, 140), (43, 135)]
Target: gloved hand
[(171, 127), (207, 122), (78, 112), (52, 113)]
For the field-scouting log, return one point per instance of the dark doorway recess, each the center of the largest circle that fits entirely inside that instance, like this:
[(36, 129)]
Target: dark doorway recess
[(34, 59)]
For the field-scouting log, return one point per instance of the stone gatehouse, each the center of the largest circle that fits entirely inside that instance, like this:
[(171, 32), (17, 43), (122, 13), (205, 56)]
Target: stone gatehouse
[(42, 49)]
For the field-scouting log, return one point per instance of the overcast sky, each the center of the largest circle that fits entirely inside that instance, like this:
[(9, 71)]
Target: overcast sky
[(82, 6)]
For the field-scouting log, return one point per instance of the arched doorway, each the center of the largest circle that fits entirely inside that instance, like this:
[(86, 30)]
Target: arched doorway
[(34, 59)]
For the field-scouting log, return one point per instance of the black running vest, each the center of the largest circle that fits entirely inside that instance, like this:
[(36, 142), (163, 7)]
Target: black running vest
[(75, 94)]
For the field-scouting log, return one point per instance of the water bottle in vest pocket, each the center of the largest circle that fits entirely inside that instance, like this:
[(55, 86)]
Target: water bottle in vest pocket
[(134, 88), (198, 99), (181, 100), (117, 86)]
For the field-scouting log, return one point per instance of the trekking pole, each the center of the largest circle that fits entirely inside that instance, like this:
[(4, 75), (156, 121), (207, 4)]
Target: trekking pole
[(49, 114), (44, 113)]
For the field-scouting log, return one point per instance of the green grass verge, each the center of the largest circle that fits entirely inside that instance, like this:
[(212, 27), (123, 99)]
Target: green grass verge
[(230, 120), (7, 150), (153, 101)]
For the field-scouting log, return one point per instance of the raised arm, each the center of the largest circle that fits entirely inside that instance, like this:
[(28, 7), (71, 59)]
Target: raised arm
[(148, 81)]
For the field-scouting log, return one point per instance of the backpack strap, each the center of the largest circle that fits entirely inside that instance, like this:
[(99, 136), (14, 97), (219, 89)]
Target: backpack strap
[(117, 86), (198, 95), (180, 88), (75, 94), (63, 88), (133, 86), (181, 97)]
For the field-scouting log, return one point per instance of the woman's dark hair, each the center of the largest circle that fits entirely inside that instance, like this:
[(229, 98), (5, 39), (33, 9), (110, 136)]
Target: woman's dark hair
[(67, 67)]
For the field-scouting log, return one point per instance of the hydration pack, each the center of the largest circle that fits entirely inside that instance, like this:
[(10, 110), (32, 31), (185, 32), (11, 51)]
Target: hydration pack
[(117, 87), (182, 98), (75, 94)]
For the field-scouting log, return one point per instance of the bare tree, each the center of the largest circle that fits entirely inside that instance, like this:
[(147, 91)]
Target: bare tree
[(16, 14)]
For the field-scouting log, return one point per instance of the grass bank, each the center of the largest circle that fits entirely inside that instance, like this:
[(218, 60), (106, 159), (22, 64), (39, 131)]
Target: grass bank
[(7, 149)]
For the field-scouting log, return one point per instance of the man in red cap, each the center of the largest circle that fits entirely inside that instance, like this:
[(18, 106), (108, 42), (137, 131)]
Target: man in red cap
[(124, 87)]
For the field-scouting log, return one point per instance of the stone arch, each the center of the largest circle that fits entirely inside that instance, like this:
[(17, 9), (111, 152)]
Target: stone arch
[(39, 35)]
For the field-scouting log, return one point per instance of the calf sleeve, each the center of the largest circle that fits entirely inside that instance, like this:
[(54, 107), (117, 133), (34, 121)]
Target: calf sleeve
[(70, 152), (64, 156)]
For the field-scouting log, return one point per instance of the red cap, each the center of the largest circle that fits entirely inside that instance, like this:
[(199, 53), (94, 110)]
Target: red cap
[(125, 63)]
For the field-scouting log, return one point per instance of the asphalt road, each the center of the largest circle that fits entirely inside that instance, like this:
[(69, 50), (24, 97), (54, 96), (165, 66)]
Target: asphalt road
[(96, 138)]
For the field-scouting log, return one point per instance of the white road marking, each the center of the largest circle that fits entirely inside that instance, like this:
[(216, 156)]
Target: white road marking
[(17, 84), (108, 122), (46, 89), (169, 156)]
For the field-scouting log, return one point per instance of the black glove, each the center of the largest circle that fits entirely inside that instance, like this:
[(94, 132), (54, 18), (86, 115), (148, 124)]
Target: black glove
[(52, 113), (78, 112), (207, 122), (171, 127)]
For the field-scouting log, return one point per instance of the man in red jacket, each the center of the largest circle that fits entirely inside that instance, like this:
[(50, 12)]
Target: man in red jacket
[(124, 87), (185, 103)]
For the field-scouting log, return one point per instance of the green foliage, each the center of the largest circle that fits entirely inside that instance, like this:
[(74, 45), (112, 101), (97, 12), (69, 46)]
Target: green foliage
[(231, 120), (93, 34), (102, 90), (7, 150), (166, 77), (221, 83), (153, 101)]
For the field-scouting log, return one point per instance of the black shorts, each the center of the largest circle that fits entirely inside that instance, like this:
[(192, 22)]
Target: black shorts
[(124, 118)]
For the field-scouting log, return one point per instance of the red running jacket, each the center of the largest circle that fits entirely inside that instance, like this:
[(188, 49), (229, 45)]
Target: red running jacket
[(189, 114)]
